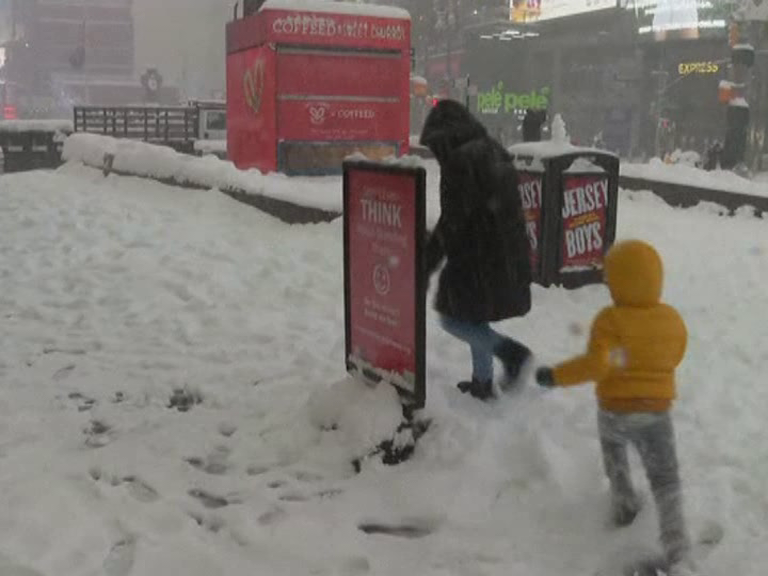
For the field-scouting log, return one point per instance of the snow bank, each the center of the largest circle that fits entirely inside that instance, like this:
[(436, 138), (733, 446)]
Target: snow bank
[(218, 147), (690, 176), (361, 416), (325, 6), (162, 163), (686, 158), (36, 126)]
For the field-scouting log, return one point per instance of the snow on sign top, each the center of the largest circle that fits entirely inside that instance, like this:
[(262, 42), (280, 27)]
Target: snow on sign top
[(325, 6), (550, 148), (583, 165)]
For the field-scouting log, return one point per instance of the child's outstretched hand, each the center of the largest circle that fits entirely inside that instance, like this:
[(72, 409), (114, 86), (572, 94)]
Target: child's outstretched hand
[(545, 377)]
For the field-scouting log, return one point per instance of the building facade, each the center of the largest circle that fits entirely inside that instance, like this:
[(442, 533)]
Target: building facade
[(66, 52), (640, 78)]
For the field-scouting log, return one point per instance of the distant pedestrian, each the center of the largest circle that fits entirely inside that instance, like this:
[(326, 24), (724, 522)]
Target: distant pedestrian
[(533, 122)]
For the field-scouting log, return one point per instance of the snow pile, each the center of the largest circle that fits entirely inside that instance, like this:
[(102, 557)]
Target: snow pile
[(559, 132), (217, 147), (685, 158), (118, 299), (165, 164), (359, 416), (690, 176)]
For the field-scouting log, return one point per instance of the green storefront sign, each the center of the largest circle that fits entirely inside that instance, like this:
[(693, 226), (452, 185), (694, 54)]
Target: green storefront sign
[(496, 101)]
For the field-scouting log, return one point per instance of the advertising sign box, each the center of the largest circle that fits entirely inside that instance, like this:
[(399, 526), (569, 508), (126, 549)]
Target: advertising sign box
[(570, 198), (585, 203), (586, 190), (384, 280), (530, 186)]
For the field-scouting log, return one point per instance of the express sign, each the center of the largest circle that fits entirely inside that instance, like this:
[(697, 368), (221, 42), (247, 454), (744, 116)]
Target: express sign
[(706, 67), (384, 213)]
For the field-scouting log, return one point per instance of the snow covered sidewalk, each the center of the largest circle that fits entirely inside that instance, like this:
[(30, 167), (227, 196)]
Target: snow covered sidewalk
[(165, 364), (722, 180)]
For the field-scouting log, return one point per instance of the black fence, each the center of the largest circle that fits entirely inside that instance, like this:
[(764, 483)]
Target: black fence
[(170, 126)]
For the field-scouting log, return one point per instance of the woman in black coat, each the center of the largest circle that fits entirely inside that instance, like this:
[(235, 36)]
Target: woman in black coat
[(481, 234)]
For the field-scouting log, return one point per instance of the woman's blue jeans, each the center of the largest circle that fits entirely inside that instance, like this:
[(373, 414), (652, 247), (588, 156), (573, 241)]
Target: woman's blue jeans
[(482, 340)]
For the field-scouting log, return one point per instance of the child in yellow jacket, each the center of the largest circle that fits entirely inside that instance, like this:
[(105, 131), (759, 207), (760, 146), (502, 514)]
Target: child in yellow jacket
[(634, 348)]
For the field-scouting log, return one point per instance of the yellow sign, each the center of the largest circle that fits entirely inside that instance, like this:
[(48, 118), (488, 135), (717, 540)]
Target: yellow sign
[(707, 67), (253, 85)]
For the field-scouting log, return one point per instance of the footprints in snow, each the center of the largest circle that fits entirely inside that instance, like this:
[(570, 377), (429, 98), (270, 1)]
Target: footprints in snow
[(405, 530), (83, 403), (120, 558), (63, 373), (183, 399), (209, 500), (214, 464), (137, 488), (97, 434)]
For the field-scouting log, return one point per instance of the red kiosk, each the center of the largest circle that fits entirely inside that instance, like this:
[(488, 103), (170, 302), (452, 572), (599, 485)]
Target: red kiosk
[(310, 82)]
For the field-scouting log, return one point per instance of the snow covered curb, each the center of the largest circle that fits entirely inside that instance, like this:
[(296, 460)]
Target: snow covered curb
[(720, 180), (215, 147), (295, 200), (684, 195)]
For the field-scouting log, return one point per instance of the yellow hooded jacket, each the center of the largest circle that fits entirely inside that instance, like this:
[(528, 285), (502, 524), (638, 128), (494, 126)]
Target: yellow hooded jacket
[(636, 344)]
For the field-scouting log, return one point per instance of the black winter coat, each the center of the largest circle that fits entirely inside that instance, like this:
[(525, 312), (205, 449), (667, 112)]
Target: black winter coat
[(481, 232)]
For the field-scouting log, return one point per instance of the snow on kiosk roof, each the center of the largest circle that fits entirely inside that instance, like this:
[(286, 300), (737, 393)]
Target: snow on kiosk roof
[(322, 23), (338, 8)]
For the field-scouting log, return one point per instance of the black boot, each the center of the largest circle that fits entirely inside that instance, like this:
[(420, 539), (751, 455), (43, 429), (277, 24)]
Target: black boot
[(624, 515), (464, 386), (513, 356), (477, 389)]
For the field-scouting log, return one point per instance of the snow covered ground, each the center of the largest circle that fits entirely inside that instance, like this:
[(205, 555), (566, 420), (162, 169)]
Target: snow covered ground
[(116, 292)]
